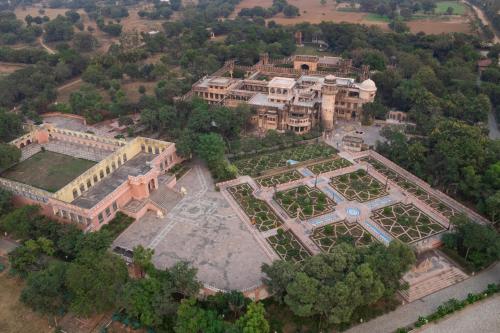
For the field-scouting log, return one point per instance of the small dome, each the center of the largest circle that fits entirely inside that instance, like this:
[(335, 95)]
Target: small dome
[(368, 85), (330, 79)]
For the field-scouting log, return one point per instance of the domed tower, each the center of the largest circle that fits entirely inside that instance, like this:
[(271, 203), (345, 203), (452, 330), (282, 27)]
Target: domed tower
[(329, 93), (367, 90)]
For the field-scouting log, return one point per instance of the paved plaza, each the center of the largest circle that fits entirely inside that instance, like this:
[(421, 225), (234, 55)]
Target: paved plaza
[(203, 229)]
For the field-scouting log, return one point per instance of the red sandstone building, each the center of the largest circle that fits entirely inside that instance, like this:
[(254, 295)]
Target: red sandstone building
[(122, 178)]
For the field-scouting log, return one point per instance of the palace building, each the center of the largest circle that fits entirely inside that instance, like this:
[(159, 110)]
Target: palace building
[(294, 94), (86, 179)]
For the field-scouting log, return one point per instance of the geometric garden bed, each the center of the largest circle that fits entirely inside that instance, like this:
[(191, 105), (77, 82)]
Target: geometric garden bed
[(406, 222), (358, 186), (307, 201), (326, 237), (257, 210), (287, 246)]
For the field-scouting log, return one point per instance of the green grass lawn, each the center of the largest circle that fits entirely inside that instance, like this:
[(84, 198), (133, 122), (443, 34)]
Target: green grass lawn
[(377, 17), (48, 170), (442, 6)]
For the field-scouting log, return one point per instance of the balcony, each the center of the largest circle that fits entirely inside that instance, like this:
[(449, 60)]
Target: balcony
[(294, 121)]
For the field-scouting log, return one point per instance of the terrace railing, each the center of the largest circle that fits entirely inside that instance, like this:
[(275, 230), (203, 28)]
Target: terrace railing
[(25, 190)]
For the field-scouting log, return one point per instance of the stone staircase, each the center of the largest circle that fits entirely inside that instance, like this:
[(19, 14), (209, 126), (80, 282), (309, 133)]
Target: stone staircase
[(433, 284), (165, 198)]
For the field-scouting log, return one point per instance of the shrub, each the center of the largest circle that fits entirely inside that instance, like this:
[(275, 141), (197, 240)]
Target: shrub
[(328, 230)]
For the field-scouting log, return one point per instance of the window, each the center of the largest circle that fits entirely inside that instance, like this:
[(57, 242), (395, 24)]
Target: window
[(115, 206), (108, 212), (124, 158), (75, 193), (95, 179), (101, 173), (100, 217), (89, 184), (107, 170)]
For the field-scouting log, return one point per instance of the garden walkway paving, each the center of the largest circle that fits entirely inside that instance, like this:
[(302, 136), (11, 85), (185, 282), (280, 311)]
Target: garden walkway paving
[(409, 313), (204, 229)]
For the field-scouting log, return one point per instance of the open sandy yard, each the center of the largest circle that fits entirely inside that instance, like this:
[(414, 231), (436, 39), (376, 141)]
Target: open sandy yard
[(14, 316), (314, 12), (7, 67)]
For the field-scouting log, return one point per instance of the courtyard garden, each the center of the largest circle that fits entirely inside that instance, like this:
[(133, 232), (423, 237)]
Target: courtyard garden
[(48, 170), (335, 164), (308, 202), (280, 178), (287, 246), (358, 186), (326, 237), (257, 210), (411, 187), (256, 165), (406, 222)]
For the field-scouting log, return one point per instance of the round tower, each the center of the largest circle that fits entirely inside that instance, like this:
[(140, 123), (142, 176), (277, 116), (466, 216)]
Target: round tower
[(329, 93)]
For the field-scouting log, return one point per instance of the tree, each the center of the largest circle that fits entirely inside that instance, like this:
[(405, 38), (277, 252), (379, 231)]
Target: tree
[(254, 320), (28, 257), (142, 259), (95, 281), (20, 222), (85, 42), (278, 276), (45, 291), (211, 148), (138, 300), (11, 125), (183, 278), (9, 155), (191, 318), (5, 202), (59, 29)]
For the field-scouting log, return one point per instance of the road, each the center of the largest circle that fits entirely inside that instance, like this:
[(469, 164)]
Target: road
[(49, 50), (485, 20), (409, 313)]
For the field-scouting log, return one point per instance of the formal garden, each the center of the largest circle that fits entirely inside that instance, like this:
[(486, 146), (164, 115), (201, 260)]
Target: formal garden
[(326, 237), (358, 186), (280, 178), (258, 211), (255, 165), (287, 246), (406, 223), (411, 187), (334, 164), (306, 201)]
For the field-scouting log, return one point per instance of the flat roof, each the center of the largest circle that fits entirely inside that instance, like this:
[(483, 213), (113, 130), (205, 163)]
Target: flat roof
[(134, 167), (282, 82), (262, 100)]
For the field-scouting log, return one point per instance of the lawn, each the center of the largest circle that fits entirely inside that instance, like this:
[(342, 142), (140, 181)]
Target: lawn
[(255, 165), (328, 236), (377, 18), (257, 210), (48, 170), (309, 202), (442, 6), (406, 222), (287, 246), (14, 316)]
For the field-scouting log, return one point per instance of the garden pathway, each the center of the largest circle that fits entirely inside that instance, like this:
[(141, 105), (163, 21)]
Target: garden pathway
[(409, 313)]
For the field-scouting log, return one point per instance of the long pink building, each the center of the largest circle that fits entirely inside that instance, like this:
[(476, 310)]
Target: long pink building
[(123, 176)]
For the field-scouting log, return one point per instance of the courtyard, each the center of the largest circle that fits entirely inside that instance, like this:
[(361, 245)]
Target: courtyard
[(48, 170), (358, 186), (203, 229), (406, 222), (256, 165)]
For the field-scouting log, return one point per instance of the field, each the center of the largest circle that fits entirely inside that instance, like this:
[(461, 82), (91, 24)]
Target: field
[(14, 316), (48, 170), (314, 12), (406, 222)]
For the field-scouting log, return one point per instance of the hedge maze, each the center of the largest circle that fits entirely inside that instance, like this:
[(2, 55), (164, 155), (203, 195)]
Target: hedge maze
[(335, 164), (280, 178)]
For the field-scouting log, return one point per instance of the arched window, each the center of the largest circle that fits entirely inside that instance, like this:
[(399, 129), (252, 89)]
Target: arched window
[(124, 158), (89, 184), (82, 188), (107, 170), (101, 173), (75, 193)]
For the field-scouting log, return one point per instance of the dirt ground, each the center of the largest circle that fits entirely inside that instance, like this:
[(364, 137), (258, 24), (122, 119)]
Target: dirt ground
[(14, 316), (314, 12), (7, 68)]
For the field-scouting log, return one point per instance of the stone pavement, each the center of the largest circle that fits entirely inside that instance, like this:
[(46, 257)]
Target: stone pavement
[(481, 317), (202, 228), (409, 313)]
